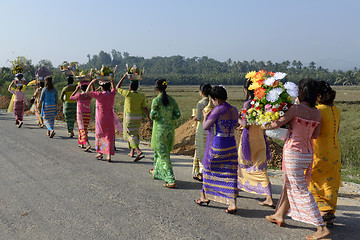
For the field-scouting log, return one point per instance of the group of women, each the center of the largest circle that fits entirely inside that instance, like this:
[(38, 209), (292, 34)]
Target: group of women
[(311, 147), (311, 144), (164, 111)]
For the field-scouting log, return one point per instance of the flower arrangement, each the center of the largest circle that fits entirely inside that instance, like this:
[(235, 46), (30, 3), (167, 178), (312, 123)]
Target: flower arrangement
[(105, 73), (271, 97), (134, 73), (19, 65), (69, 66), (85, 75)]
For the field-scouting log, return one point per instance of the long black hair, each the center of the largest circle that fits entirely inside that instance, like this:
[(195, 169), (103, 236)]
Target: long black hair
[(249, 93), (205, 88), (161, 85), (327, 94), (308, 91), (48, 83)]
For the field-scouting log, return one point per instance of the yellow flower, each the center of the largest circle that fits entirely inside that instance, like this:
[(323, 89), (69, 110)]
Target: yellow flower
[(250, 74), (254, 85)]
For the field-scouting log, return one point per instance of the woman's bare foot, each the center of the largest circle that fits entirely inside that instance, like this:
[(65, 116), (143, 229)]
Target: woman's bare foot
[(268, 202), (321, 232), (279, 221), (131, 154), (87, 149)]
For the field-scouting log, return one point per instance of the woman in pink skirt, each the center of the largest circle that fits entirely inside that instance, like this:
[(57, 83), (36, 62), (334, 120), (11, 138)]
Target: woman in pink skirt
[(104, 119), (304, 125)]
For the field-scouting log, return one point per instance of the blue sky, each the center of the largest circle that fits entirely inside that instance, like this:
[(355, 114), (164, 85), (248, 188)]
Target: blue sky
[(324, 31)]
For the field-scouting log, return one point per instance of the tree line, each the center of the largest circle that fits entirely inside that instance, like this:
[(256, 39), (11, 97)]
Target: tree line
[(196, 70)]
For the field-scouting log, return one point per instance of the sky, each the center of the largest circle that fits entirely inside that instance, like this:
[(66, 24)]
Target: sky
[(326, 32)]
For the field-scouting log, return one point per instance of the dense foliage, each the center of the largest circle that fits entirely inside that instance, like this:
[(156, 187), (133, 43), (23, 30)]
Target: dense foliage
[(180, 70)]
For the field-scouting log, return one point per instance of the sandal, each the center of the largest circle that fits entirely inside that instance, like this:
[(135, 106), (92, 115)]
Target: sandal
[(270, 219), (197, 177), (199, 202), (99, 156), (52, 134), (87, 149), (169, 185), (139, 157), (312, 237), (232, 211)]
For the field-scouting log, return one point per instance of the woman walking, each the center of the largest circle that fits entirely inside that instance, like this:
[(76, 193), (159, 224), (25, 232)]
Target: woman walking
[(304, 125), (134, 106), (48, 101), (83, 114), (69, 106), (200, 135), (326, 172), (104, 119), (164, 112), (220, 160), (19, 100), (37, 106), (254, 152)]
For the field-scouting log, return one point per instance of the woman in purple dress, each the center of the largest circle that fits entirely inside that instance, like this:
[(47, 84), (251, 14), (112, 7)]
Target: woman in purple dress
[(220, 159)]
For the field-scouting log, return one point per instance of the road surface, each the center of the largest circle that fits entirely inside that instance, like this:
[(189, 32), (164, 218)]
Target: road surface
[(50, 189)]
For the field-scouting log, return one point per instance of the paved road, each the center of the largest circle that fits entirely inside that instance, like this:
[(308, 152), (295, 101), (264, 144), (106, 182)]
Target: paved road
[(49, 189)]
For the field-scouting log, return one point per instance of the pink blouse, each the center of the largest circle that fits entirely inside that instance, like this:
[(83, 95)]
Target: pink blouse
[(83, 102), (304, 125), (19, 96)]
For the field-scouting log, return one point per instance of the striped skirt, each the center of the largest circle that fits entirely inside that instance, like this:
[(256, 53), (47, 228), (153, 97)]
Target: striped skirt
[(131, 129), (303, 207), (83, 128), (19, 110), (70, 115), (220, 179), (48, 113)]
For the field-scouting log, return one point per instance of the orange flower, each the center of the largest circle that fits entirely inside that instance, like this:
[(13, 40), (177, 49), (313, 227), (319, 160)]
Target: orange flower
[(259, 93)]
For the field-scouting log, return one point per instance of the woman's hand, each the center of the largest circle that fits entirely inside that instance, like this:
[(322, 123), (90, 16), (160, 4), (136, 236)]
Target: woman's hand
[(206, 115), (266, 127)]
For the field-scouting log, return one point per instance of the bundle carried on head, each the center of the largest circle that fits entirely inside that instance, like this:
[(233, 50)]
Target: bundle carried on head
[(134, 73), (105, 74), (42, 72), (69, 68), (19, 65), (85, 75)]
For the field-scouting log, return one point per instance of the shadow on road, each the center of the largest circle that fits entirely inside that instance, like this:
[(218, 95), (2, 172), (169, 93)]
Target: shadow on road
[(188, 185)]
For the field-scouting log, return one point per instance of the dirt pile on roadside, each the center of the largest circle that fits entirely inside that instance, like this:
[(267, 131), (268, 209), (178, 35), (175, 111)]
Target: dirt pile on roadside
[(4, 102), (185, 139), (185, 143)]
